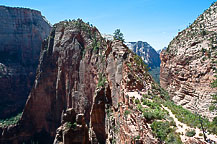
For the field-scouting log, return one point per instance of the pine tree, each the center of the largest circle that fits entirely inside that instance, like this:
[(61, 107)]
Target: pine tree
[(118, 35)]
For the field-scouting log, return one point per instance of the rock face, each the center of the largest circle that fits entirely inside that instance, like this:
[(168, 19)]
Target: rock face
[(188, 65), (149, 56), (80, 91), (21, 34)]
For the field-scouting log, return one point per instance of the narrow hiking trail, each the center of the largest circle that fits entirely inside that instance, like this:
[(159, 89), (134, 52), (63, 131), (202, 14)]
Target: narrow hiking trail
[(182, 128)]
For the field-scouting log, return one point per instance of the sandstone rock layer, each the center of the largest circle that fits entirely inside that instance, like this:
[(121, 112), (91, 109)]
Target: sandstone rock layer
[(80, 91), (188, 65), (21, 34)]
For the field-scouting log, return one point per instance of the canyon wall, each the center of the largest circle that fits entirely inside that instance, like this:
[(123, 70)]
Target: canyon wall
[(21, 34), (188, 65)]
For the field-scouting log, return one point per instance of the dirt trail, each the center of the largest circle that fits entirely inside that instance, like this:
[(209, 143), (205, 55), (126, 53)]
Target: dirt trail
[(182, 128)]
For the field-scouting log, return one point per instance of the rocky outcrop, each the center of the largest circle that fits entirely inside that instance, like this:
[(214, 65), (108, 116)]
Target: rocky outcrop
[(188, 65), (149, 56), (21, 34), (80, 91)]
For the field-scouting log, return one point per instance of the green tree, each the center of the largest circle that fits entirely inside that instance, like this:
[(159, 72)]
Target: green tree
[(118, 35)]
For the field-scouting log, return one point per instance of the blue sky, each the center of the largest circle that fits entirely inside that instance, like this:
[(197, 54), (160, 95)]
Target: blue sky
[(153, 21)]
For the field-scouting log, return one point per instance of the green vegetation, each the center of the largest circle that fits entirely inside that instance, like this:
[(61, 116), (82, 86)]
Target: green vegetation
[(102, 80), (139, 62), (108, 112), (153, 111), (162, 125), (126, 113), (155, 73), (161, 129), (173, 138), (203, 33), (151, 114), (184, 115), (10, 121), (137, 101), (190, 133), (118, 35), (213, 105), (203, 51), (152, 105), (214, 83), (192, 120), (137, 137), (96, 44), (70, 125)]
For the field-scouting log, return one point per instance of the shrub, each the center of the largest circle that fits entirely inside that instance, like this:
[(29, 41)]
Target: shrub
[(212, 128), (172, 123), (151, 114), (190, 133), (102, 81), (173, 138), (139, 107), (161, 129), (212, 107), (137, 101), (68, 125), (214, 83), (152, 105), (74, 125), (214, 121), (139, 62), (137, 137), (127, 112)]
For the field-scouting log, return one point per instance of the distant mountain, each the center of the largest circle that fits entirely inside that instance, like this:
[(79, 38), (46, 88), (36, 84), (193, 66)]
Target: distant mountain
[(149, 56), (159, 51)]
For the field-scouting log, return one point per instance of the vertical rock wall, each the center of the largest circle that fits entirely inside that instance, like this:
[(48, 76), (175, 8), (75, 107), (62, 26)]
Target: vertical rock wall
[(21, 34)]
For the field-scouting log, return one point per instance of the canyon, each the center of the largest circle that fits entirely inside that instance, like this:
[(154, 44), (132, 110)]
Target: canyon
[(83, 88), (21, 34)]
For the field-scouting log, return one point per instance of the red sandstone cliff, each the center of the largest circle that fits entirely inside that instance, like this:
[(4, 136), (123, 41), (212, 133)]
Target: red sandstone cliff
[(81, 87), (21, 34)]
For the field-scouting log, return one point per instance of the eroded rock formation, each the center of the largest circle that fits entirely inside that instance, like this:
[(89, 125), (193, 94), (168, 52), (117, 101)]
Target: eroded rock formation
[(21, 34), (188, 65), (80, 91)]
